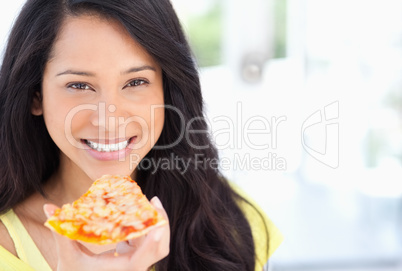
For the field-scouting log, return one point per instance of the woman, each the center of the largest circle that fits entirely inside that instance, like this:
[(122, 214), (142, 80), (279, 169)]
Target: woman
[(110, 87)]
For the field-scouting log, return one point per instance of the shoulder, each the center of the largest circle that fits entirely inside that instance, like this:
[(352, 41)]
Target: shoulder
[(9, 260), (5, 239), (266, 235)]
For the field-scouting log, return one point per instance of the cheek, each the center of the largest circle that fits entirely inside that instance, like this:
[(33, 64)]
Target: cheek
[(63, 120), (159, 119), (149, 123), (54, 115), (152, 113)]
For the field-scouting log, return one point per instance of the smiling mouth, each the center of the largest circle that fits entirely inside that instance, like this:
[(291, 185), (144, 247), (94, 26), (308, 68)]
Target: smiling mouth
[(107, 147)]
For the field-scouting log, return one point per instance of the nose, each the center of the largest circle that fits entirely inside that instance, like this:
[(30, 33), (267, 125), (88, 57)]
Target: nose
[(108, 119)]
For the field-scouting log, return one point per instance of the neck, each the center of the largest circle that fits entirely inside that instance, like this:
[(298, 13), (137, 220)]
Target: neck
[(67, 184)]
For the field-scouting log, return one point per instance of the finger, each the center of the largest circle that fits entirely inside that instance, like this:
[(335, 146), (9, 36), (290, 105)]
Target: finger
[(123, 248), (49, 209), (130, 246), (156, 244), (154, 248), (155, 201), (158, 233), (136, 242), (109, 252)]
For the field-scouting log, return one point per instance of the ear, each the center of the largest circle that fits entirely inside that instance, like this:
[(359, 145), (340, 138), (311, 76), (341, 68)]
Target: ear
[(36, 108)]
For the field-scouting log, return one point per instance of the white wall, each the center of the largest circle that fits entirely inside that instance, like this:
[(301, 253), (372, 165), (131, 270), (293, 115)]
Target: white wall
[(8, 12)]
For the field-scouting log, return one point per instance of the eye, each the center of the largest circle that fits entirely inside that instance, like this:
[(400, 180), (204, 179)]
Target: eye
[(79, 86), (137, 82)]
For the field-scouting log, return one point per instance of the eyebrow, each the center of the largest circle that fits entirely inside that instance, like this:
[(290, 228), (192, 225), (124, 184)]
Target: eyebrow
[(131, 70), (138, 69), (76, 73)]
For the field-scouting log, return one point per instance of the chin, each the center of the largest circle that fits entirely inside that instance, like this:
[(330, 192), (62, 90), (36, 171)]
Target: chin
[(94, 175)]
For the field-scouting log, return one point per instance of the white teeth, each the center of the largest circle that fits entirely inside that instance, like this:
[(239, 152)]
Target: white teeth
[(107, 147)]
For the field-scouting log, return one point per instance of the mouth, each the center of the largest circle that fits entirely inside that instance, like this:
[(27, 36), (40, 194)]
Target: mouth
[(100, 147)]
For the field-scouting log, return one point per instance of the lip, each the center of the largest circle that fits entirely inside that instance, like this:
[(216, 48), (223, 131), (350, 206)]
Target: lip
[(112, 155)]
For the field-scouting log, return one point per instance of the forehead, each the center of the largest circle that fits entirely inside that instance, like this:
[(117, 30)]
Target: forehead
[(90, 22), (87, 36)]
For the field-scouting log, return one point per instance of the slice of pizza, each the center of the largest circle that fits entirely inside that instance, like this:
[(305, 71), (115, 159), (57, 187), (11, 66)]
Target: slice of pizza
[(114, 209)]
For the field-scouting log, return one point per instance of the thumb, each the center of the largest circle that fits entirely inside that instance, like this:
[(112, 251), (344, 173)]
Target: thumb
[(61, 241), (49, 209)]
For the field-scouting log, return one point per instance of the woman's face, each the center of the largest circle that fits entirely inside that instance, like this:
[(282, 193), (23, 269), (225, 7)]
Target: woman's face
[(102, 98)]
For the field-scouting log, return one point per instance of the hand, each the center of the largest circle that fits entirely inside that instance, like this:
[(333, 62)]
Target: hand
[(134, 255)]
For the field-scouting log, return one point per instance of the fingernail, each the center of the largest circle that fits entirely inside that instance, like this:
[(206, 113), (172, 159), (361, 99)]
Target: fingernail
[(158, 234), (157, 203), (48, 210)]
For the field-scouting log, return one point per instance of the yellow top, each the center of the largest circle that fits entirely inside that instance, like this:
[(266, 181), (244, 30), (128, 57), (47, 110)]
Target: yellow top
[(30, 258), (264, 245)]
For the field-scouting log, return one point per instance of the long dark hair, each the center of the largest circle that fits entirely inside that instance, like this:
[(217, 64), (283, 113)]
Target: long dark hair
[(208, 229)]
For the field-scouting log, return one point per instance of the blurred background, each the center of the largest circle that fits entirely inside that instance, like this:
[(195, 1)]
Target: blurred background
[(304, 101), (320, 84)]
